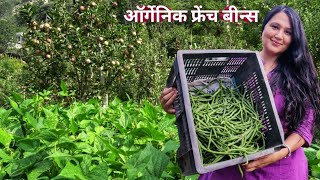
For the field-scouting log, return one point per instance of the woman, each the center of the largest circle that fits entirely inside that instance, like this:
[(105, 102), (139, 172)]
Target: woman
[(293, 80)]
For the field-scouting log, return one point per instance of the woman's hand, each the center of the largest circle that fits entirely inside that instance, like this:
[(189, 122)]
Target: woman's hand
[(294, 140), (167, 97), (266, 160)]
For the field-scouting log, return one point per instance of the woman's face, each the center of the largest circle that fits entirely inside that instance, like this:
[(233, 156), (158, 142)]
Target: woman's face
[(276, 36)]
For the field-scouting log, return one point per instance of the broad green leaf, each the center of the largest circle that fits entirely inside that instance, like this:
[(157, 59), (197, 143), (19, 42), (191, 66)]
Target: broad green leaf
[(73, 126), (51, 135), (99, 130), (4, 157), (67, 145), (40, 123), (310, 153), (59, 154), (149, 132), (86, 163), (164, 124), (27, 103), (17, 96), (84, 123), (150, 162), (315, 171), (39, 168), (4, 115), (2, 173), (70, 171), (315, 146), (318, 154), (51, 120), (171, 146), (30, 120), (115, 102), (93, 102), (29, 144), (149, 112), (124, 120), (15, 106), (313, 162), (91, 137), (21, 166), (5, 137), (14, 127), (99, 172), (192, 177), (116, 151), (75, 109), (166, 175), (84, 147), (61, 158), (64, 88)]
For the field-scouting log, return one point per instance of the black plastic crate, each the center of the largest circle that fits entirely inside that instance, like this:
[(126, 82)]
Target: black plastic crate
[(246, 69)]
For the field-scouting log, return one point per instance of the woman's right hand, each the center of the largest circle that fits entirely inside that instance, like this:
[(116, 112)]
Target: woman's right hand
[(167, 97)]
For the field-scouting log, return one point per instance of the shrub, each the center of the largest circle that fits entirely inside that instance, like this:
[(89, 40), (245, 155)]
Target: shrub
[(10, 77)]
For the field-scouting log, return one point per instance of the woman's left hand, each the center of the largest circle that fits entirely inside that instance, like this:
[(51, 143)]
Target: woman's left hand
[(265, 160)]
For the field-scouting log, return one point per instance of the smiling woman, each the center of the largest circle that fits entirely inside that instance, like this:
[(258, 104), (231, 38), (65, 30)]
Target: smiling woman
[(276, 38), (294, 82)]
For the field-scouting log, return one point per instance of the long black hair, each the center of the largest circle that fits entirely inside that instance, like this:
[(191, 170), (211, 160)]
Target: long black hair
[(296, 74)]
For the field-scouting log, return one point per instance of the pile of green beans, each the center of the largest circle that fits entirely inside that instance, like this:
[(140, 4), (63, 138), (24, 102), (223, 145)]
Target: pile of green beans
[(227, 125)]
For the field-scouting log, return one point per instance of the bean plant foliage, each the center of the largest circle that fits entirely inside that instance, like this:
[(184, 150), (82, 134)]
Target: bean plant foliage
[(313, 156), (126, 140)]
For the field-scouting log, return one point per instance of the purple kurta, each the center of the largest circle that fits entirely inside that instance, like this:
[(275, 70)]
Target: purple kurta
[(294, 167)]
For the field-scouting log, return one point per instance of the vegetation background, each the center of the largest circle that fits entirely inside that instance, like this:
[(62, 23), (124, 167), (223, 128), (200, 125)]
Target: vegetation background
[(80, 99)]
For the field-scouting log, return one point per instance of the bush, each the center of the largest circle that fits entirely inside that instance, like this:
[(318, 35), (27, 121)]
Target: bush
[(91, 48), (126, 140), (10, 77)]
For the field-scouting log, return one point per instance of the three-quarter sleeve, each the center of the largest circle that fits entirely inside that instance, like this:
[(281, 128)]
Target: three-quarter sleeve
[(306, 127)]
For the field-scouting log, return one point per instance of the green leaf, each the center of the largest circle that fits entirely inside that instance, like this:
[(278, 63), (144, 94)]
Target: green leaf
[(2, 173), (21, 166), (4, 115), (30, 120), (315, 171), (310, 153), (59, 154), (70, 171), (318, 154), (313, 162), (4, 157), (86, 163), (315, 146), (124, 120), (84, 147), (15, 106), (171, 146), (29, 144), (99, 172), (99, 130), (166, 123), (148, 163), (17, 96), (116, 151), (39, 168), (51, 120), (192, 177), (67, 145), (73, 126), (51, 135), (63, 86), (5, 137), (149, 132), (150, 112)]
